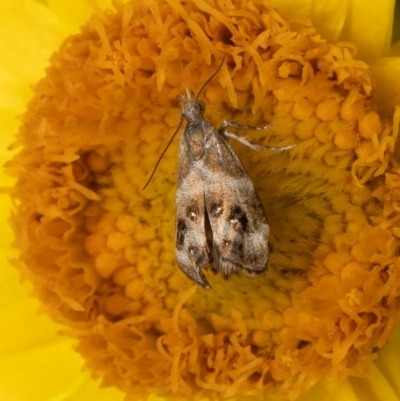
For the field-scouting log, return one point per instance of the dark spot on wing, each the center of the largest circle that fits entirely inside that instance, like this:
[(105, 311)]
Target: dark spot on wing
[(237, 247), (198, 256), (192, 250), (226, 242), (238, 219), (193, 211), (181, 229), (216, 209)]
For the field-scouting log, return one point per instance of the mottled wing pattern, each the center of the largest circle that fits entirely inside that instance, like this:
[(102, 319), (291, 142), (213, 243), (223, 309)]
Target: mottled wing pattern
[(212, 180), (238, 221), (191, 242)]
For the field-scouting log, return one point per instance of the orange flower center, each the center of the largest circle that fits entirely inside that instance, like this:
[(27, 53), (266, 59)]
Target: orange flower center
[(100, 251)]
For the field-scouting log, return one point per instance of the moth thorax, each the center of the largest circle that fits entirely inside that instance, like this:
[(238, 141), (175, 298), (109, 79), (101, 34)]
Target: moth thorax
[(193, 110)]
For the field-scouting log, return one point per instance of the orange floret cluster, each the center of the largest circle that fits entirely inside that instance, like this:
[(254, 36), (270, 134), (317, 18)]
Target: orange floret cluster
[(100, 250)]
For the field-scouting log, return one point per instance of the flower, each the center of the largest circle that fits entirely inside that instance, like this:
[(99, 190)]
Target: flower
[(91, 244)]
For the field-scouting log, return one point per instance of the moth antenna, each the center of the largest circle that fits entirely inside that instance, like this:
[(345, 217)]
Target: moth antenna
[(172, 138), (163, 153), (209, 79), (188, 94), (183, 80)]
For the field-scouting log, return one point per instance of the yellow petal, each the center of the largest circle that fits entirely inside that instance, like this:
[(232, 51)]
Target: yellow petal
[(388, 363), (331, 391), (30, 375), (395, 51), (386, 72), (32, 31), (73, 13), (377, 387), (368, 24), (382, 383), (328, 17)]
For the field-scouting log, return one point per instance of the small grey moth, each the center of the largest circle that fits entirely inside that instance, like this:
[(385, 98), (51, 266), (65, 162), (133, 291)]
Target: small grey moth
[(220, 220)]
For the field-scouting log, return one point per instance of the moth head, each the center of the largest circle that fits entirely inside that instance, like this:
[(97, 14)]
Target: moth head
[(193, 109)]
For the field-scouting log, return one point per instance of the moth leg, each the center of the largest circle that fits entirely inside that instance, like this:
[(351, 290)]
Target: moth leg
[(245, 141), (227, 123), (253, 145)]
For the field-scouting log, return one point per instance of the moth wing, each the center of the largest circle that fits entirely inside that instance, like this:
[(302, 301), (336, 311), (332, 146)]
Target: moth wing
[(238, 221), (192, 251)]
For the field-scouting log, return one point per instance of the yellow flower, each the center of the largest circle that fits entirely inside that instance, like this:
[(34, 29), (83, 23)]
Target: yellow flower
[(100, 257)]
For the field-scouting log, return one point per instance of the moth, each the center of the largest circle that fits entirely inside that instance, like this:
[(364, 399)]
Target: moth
[(220, 220)]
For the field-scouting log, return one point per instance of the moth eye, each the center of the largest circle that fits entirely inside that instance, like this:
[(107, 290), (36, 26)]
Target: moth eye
[(192, 250), (216, 209), (202, 106), (180, 99)]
